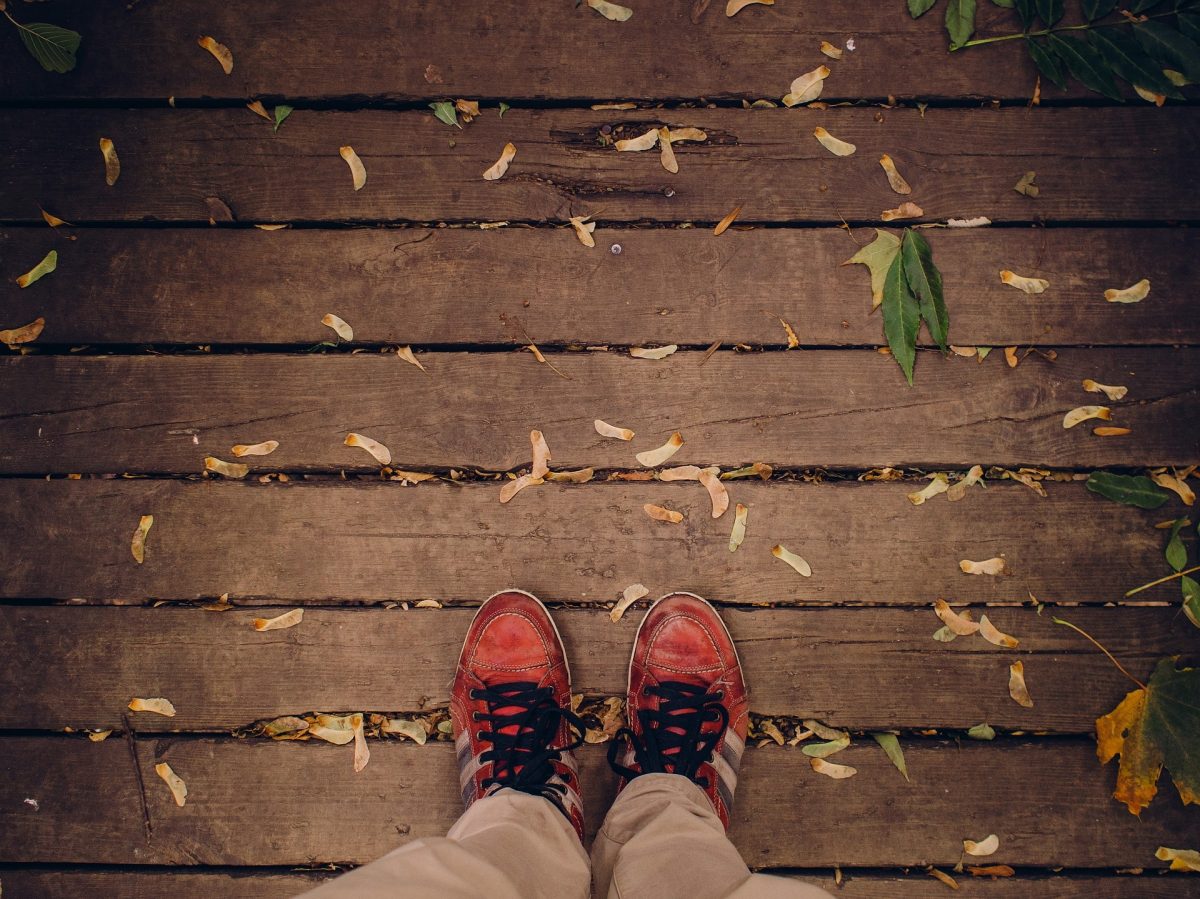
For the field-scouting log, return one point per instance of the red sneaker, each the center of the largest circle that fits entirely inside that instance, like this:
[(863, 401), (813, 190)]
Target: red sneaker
[(510, 706), (687, 705)]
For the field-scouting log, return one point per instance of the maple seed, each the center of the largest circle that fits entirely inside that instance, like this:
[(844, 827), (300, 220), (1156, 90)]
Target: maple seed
[(903, 211), (831, 769), (611, 11), (654, 458), (279, 622), (669, 162), (173, 781), (797, 562), (709, 477), (832, 144), (738, 534), (959, 488), (1085, 413), (222, 53), (1017, 689), (658, 513), (1026, 186), (989, 632), (378, 451), (1111, 432), (657, 353), (1028, 285), (137, 546), (990, 566), (895, 179), (357, 170), (496, 171), (1113, 393), (583, 230), (961, 625), (43, 268), (157, 705), (344, 331), (112, 164), (939, 484), (227, 469), (256, 449), (1180, 859), (629, 596), (723, 224), (362, 754), (680, 473), (604, 429), (733, 7), (1176, 485), (830, 50), (513, 487), (987, 846), (641, 142), (1133, 294), (541, 455), (807, 87)]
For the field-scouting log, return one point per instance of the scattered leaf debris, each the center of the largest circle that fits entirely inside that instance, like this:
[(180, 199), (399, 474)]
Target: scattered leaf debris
[(343, 330), (1113, 393), (906, 210), (255, 449), (656, 457), (939, 483), (1180, 859), (830, 50), (832, 144), (710, 478), (53, 220), (1026, 186), (723, 224), (513, 487), (989, 566), (661, 352), (733, 7), (378, 451), (806, 87), (961, 625), (738, 533), (604, 429), (612, 11), (1086, 413), (658, 513), (832, 769), (14, 337), (993, 635), (583, 230)]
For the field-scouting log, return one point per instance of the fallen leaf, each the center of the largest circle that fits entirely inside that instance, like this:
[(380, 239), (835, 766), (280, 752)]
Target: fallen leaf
[(723, 224), (256, 449), (378, 451), (1016, 685), (895, 179), (981, 732), (890, 744), (221, 605), (1026, 186), (760, 470), (680, 473), (611, 11), (832, 769), (138, 545), (445, 111), (959, 488), (1133, 294), (281, 113), (661, 352), (344, 331), (943, 877), (944, 635), (1010, 356), (287, 727), (993, 635), (1132, 490), (738, 534), (1180, 859), (961, 625), (877, 256), (173, 781), (48, 264), (807, 87), (362, 754), (279, 622), (629, 596), (14, 337), (357, 170), (515, 486), (604, 429), (496, 171), (541, 454), (268, 227), (832, 144), (792, 340), (990, 566), (99, 736), (802, 567), (656, 457), (986, 846), (1028, 285), (157, 705), (830, 50), (112, 164), (641, 142), (228, 469), (1113, 393), (658, 513), (468, 108), (220, 52), (53, 220), (1085, 413), (733, 7), (938, 484), (667, 157), (824, 750), (256, 107), (1111, 432), (413, 730), (428, 604), (583, 230), (903, 211), (1175, 485), (336, 729), (709, 477)]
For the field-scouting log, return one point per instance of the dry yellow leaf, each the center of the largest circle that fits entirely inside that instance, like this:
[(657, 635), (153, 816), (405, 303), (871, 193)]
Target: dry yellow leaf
[(710, 478), (362, 754), (830, 50), (895, 179), (1113, 393), (667, 154), (1111, 432), (358, 171), (173, 781), (733, 7), (807, 87), (515, 486), (378, 451), (138, 545), (658, 513), (959, 488), (99, 736), (157, 705), (991, 870), (660, 352), (832, 769), (989, 566), (723, 224), (1028, 285), (279, 622), (1026, 186), (986, 846), (612, 11), (1180, 859), (738, 534), (680, 473), (1132, 294), (1085, 413), (655, 457), (256, 107), (903, 211), (939, 483), (541, 455), (1010, 356), (112, 164), (497, 169), (832, 144), (406, 353), (53, 220), (993, 635), (583, 230), (629, 596), (604, 429), (468, 108), (1016, 685), (256, 449), (227, 469), (222, 53), (641, 142), (797, 562), (1177, 485), (343, 330), (962, 624)]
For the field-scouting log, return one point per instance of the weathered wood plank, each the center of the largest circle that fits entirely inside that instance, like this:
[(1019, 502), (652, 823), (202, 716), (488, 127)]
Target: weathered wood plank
[(307, 805), (824, 663), (106, 414), (399, 50), (380, 542), (1093, 165), (453, 286), (248, 883)]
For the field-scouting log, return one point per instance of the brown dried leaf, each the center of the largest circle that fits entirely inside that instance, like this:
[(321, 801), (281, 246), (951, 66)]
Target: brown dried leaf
[(667, 154), (279, 622), (656, 457), (497, 169), (112, 164), (406, 353), (357, 170), (738, 534), (604, 429), (709, 477), (227, 469), (14, 337), (287, 727), (53, 220), (138, 545), (943, 877), (797, 562), (1028, 285), (1026, 186), (903, 211), (1132, 294), (256, 107), (1111, 432), (661, 352), (993, 635), (658, 513), (1180, 859), (830, 50), (962, 625), (723, 224), (629, 596), (992, 566), (832, 144), (344, 331), (1085, 413), (541, 455), (255, 449), (515, 486), (895, 179), (220, 52), (832, 769), (157, 705), (173, 781), (733, 7), (1010, 356), (1016, 685)]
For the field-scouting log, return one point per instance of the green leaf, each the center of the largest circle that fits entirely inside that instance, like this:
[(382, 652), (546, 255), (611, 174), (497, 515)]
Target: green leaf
[(944, 635), (982, 352), (901, 317), (918, 8), (1170, 46), (1048, 64), (1098, 9), (824, 750), (1086, 65), (281, 113), (877, 256), (1007, 4), (925, 281), (981, 732), (891, 747), (960, 21), (52, 46), (39, 271), (1127, 58), (1131, 490), (504, 107), (1050, 11), (1176, 552), (1144, 5), (1189, 25), (1191, 599), (445, 112), (1025, 10)]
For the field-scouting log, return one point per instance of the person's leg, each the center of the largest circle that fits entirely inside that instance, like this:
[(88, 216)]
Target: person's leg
[(522, 830), (679, 758)]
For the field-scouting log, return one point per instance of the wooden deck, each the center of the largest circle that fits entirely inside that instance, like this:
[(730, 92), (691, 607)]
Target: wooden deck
[(169, 339)]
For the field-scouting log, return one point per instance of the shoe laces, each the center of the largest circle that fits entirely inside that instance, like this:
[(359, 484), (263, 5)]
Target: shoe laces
[(524, 721), (673, 740)]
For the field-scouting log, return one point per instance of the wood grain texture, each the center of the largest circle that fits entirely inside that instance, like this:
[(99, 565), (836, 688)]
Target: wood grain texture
[(401, 50), (1093, 165), (247, 883), (308, 806), (452, 286), (380, 542), (851, 409), (825, 663)]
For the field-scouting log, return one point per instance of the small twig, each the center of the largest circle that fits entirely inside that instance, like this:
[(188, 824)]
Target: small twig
[(1163, 580), (137, 770), (979, 41), (1096, 643)]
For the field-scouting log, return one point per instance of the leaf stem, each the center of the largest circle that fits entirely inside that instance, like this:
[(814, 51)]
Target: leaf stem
[(980, 41), (1096, 643), (1162, 580)]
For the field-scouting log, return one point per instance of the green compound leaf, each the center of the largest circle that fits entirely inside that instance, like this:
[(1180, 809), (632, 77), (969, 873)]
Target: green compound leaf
[(901, 317), (960, 22), (1176, 552), (925, 282), (1047, 62), (1050, 11), (1170, 47), (918, 8), (52, 46), (1127, 59), (1086, 65), (1131, 490)]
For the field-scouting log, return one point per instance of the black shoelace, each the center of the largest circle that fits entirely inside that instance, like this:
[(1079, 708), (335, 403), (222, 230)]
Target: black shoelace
[(521, 759), (671, 740)]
